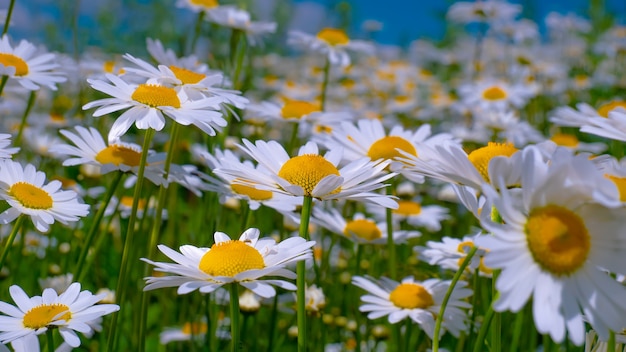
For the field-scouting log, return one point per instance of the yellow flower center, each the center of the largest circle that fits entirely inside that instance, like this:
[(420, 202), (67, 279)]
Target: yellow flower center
[(481, 157), (21, 67), (408, 208), (230, 258), (411, 296), (119, 155), (42, 315), (209, 4), (127, 202), (620, 183), (251, 192), (557, 239), (194, 328), (606, 108), (31, 196), (464, 248), (295, 109), (187, 76), (386, 148), (565, 140), (363, 228), (307, 171), (494, 93), (333, 36), (154, 96)]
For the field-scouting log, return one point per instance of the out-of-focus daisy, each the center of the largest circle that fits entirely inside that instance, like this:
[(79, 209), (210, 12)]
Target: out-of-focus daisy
[(488, 11), (570, 117), (313, 175), (568, 140), (23, 188), (418, 301), (148, 103), (58, 283), (332, 42), (555, 244), (414, 213), (232, 17), (245, 261), (187, 332), (5, 142), (451, 252), (612, 127), (73, 310), (29, 68), (205, 6), (315, 299), (493, 94)]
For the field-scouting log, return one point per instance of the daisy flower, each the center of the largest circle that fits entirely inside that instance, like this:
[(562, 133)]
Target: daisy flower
[(568, 140), (418, 301), (245, 261), (488, 11), (493, 94), (557, 239), (147, 105), (5, 141), (232, 17), (71, 311), (28, 67), (414, 213), (23, 188), (313, 175), (570, 117), (332, 42), (451, 252), (612, 127)]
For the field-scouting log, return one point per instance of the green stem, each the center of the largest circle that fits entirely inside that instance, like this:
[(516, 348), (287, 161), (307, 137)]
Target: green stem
[(29, 106), (3, 83), (8, 19), (196, 33), (446, 298), (272, 326), (14, 231), (610, 347), (238, 51), (391, 246), (325, 84), (122, 283), (496, 324), (480, 339), (234, 317), (95, 225), (50, 340), (301, 275), (518, 325)]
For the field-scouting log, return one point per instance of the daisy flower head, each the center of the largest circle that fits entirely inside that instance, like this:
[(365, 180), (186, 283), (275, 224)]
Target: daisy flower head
[(419, 301), (451, 252), (495, 95), (5, 142), (205, 6), (24, 189), (569, 140), (488, 11), (612, 127), (332, 42), (582, 114), (29, 67), (559, 236), (314, 175), (245, 261), (233, 17), (71, 311), (413, 212)]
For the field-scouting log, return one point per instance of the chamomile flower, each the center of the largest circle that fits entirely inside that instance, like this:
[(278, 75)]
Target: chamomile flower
[(245, 261), (488, 11), (27, 66), (557, 239), (71, 311), (581, 115), (332, 42), (232, 17), (419, 301), (24, 189), (451, 252), (568, 140), (612, 127), (414, 213), (495, 95), (5, 142)]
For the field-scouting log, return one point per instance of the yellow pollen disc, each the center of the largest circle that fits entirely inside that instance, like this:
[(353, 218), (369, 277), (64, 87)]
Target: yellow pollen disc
[(307, 171), (21, 67), (463, 247), (231, 258), (251, 192), (606, 108), (333, 36), (194, 328), (187, 76), (494, 93), (565, 140), (323, 129), (154, 96), (620, 183), (108, 66), (557, 239), (119, 155), (408, 208), (209, 4), (42, 315), (295, 109), (31, 196), (411, 296), (65, 182), (362, 228), (385, 148), (127, 201), (481, 157)]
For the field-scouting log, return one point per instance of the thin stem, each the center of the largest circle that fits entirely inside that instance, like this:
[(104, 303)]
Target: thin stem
[(391, 245), (238, 50), (610, 347), (14, 231), (301, 275), (234, 317), (29, 106), (3, 83), (518, 325), (196, 33), (325, 84), (446, 298), (50, 340), (8, 19), (496, 324), (480, 339), (272, 326)]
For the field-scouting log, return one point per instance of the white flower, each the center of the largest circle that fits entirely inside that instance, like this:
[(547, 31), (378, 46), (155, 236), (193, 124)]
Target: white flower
[(331, 42), (232, 17)]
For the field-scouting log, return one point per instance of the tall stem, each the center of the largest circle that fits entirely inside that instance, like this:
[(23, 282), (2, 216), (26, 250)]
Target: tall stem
[(50, 340), (29, 106), (14, 231), (496, 324), (610, 347), (196, 33), (325, 84), (391, 245), (234, 317), (301, 273), (8, 19)]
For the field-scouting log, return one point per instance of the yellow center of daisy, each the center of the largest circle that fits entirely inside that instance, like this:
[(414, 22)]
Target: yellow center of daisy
[(386, 148), (251, 192), (494, 93), (408, 208), (606, 108), (565, 140), (230, 258), (21, 67), (295, 109), (31, 196), (307, 171), (620, 183), (117, 155), (363, 228), (127, 201), (155, 95), (187, 76), (42, 315), (481, 157), (411, 296), (209, 4), (557, 239), (464, 248), (333, 36), (194, 328)]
